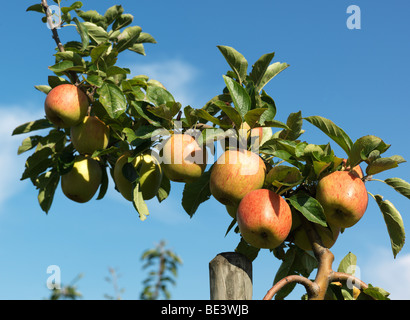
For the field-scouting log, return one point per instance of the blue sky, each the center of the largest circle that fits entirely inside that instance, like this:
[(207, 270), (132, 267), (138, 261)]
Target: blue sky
[(357, 78)]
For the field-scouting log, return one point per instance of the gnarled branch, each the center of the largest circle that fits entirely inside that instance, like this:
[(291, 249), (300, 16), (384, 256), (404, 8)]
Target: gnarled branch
[(310, 286)]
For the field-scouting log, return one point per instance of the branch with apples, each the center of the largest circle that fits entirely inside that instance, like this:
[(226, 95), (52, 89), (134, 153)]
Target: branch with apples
[(286, 195)]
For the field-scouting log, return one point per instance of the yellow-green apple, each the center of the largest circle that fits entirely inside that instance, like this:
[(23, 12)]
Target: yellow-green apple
[(264, 219), (232, 210), (183, 160), (150, 175), (81, 183), (328, 235), (90, 135), (236, 173), (66, 105), (343, 197)]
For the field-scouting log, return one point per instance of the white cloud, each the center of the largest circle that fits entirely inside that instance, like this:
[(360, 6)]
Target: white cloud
[(393, 275), (176, 75), (12, 165)]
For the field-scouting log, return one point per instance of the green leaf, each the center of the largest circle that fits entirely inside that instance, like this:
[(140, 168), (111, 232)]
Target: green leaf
[(236, 61), (164, 189), (54, 81), (401, 186), (138, 107), (196, 193), (36, 8), (364, 147), (122, 21), (47, 184), (139, 202), (166, 111), (104, 184), (348, 264), (146, 38), (309, 207), (376, 293), (383, 164), (96, 33), (32, 126), (91, 16), (158, 96), (37, 163), (43, 88), (190, 116), (71, 56), (394, 223), (202, 113), (260, 67), (252, 117), (113, 13), (99, 52), (294, 122), (82, 30), (95, 80), (75, 5), (231, 112), (137, 48), (114, 70), (272, 71), (113, 100), (267, 102), (247, 250), (240, 97), (28, 144), (62, 66), (332, 131), (127, 38)]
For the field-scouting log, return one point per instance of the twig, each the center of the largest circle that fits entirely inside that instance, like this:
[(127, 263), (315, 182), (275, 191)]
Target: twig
[(52, 27), (56, 37)]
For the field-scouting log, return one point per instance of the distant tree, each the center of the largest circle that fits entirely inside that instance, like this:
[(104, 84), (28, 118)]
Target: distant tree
[(163, 264), (68, 292)]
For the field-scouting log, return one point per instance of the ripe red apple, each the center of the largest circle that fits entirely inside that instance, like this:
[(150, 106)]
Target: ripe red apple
[(264, 218), (66, 105), (183, 160), (343, 197), (150, 174), (236, 173), (81, 183), (90, 135)]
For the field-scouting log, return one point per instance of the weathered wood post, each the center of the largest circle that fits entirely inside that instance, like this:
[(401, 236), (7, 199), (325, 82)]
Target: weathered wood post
[(230, 276)]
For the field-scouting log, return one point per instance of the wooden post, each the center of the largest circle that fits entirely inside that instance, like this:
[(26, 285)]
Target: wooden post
[(230, 275)]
